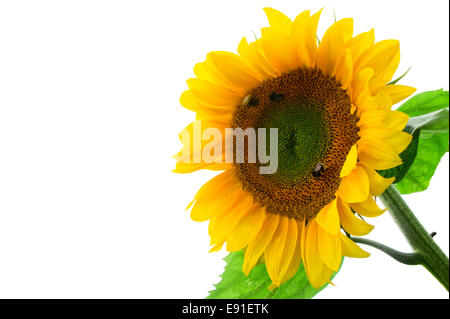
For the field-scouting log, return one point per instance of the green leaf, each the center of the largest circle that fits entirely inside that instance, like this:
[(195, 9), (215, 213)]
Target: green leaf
[(429, 127), (408, 156), (235, 285), (430, 152), (425, 102)]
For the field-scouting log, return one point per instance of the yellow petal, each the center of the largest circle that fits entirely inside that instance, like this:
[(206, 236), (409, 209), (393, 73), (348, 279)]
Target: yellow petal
[(378, 154), (318, 273), (368, 208), (303, 242), (216, 248), (289, 248), (383, 57), (398, 92), (215, 184), (185, 168), (350, 161), (201, 71), (329, 248), (378, 183), (252, 55), (278, 20), (276, 41), (296, 256), (311, 41), (361, 83), (246, 229), (300, 34), (304, 33), (333, 44), (350, 249), (213, 93), (278, 50), (221, 226), (360, 43), (399, 141), (395, 120), (234, 70), (206, 209), (257, 246), (352, 224), (328, 218), (344, 70), (278, 255), (192, 103), (355, 186), (274, 251), (381, 101)]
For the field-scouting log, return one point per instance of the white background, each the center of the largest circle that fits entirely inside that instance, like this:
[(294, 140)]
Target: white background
[(89, 116)]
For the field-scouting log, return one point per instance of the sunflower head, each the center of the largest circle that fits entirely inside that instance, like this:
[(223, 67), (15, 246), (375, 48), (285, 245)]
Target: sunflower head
[(331, 105)]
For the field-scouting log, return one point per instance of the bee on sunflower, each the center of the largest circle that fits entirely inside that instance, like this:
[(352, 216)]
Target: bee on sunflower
[(331, 103)]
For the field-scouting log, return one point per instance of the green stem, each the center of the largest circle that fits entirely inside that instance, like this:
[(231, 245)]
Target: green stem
[(431, 255), (404, 258)]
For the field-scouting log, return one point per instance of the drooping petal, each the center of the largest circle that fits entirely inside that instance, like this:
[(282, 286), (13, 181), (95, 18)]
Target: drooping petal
[(318, 273), (296, 256), (378, 183), (368, 208), (257, 246), (207, 208), (246, 229), (350, 249), (329, 248), (328, 218), (352, 224), (274, 251), (216, 183), (279, 252), (223, 224)]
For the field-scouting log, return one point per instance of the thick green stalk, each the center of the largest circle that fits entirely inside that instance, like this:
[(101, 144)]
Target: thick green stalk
[(431, 255)]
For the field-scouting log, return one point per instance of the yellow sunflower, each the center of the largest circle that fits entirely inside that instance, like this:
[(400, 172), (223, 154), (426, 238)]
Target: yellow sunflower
[(331, 102)]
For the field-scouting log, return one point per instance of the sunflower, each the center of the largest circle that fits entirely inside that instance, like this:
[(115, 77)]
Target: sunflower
[(331, 102)]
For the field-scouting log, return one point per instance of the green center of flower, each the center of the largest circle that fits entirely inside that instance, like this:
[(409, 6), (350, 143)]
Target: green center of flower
[(316, 130), (303, 137)]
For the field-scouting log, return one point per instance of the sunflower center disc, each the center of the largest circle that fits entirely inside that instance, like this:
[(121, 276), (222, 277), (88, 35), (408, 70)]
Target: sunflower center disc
[(315, 133)]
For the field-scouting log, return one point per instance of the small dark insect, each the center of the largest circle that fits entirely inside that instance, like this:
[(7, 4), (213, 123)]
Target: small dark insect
[(275, 97), (250, 100), (318, 170), (433, 234)]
